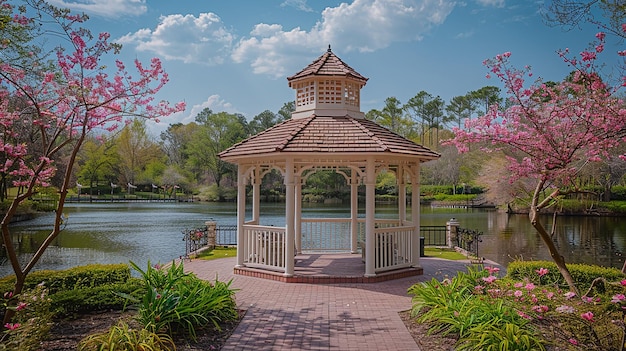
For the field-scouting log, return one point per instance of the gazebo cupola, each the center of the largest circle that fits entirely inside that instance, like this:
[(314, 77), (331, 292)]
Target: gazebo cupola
[(327, 87)]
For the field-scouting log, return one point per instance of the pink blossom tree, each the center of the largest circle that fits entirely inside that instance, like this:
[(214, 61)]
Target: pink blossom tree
[(58, 103), (551, 131)]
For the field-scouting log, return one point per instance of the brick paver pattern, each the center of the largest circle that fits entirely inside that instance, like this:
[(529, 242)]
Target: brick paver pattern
[(292, 316)]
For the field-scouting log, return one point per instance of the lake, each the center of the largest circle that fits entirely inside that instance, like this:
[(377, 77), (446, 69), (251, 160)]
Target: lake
[(152, 232)]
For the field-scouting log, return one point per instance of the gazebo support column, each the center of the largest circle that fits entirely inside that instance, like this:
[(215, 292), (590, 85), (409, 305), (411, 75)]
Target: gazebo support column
[(290, 195), (241, 213), (370, 208), (256, 195), (415, 215), (401, 195), (298, 217), (354, 213)]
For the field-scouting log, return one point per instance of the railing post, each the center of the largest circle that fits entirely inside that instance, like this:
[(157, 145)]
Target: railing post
[(452, 231), (211, 228)]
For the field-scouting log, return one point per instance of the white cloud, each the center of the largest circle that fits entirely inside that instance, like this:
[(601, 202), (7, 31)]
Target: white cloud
[(464, 35), (203, 39), (214, 102), (363, 26), (110, 8), (299, 4), (494, 3)]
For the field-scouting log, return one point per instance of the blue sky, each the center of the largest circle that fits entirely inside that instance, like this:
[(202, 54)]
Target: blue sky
[(235, 55)]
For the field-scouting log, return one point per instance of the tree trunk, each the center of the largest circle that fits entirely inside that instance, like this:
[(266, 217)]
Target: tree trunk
[(545, 236), (554, 252)]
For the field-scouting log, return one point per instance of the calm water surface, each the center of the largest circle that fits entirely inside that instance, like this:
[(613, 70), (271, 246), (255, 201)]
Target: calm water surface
[(151, 232)]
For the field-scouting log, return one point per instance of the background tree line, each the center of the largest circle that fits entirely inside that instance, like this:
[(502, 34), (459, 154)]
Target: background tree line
[(186, 154)]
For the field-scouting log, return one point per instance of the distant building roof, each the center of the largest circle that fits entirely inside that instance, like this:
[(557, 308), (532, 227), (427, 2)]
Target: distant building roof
[(328, 65)]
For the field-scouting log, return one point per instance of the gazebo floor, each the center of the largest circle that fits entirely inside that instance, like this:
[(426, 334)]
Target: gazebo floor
[(328, 268)]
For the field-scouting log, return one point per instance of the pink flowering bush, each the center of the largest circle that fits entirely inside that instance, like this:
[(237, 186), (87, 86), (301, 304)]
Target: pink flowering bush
[(32, 320), (486, 311)]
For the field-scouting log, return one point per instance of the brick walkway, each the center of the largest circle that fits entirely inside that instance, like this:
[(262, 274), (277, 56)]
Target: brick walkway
[(294, 316)]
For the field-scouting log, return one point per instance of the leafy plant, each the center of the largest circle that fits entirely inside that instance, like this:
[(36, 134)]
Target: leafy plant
[(497, 337), (176, 301), (122, 337)]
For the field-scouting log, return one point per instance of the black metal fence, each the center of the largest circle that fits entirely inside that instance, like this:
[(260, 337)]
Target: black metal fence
[(226, 235), (195, 239), (468, 240), (434, 235)]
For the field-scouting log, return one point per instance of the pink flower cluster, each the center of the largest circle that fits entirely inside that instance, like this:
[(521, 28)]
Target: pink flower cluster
[(12, 326)]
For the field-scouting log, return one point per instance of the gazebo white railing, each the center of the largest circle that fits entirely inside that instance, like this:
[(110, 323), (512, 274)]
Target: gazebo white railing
[(264, 246), (393, 248)]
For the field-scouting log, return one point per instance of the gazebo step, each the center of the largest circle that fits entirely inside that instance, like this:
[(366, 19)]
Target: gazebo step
[(328, 279)]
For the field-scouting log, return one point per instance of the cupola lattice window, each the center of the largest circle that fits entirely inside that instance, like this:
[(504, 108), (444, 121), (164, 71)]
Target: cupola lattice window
[(305, 93), (330, 91), (351, 94)]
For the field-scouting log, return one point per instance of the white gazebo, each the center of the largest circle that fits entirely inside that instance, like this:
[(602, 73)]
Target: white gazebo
[(328, 131)]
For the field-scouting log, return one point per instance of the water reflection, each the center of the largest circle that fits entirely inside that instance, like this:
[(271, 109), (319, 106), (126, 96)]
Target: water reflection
[(114, 233)]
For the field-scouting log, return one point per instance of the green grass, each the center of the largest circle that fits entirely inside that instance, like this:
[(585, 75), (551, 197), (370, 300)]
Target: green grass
[(445, 253), (218, 252)]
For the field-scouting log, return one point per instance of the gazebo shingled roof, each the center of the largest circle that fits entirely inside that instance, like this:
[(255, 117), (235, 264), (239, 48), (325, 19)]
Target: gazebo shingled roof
[(317, 134), (328, 65)]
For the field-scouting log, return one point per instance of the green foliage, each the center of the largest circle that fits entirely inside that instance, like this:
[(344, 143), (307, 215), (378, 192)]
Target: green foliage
[(80, 289), (32, 320), (434, 294), (73, 278), (176, 301), (583, 274), (618, 192), (215, 193), (498, 337), (615, 207), (526, 310), (455, 198), (432, 190), (99, 298), (122, 337), (453, 307)]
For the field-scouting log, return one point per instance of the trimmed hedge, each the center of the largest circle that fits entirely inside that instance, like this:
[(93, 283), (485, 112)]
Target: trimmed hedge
[(82, 289), (583, 274), (100, 298), (73, 278)]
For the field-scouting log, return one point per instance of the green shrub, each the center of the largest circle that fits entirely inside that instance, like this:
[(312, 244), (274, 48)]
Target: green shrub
[(122, 337), (583, 274), (618, 192), (99, 298), (614, 206), (79, 289), (73, 278)]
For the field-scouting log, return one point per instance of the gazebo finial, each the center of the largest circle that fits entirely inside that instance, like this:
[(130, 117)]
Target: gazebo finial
[(329, 48)]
